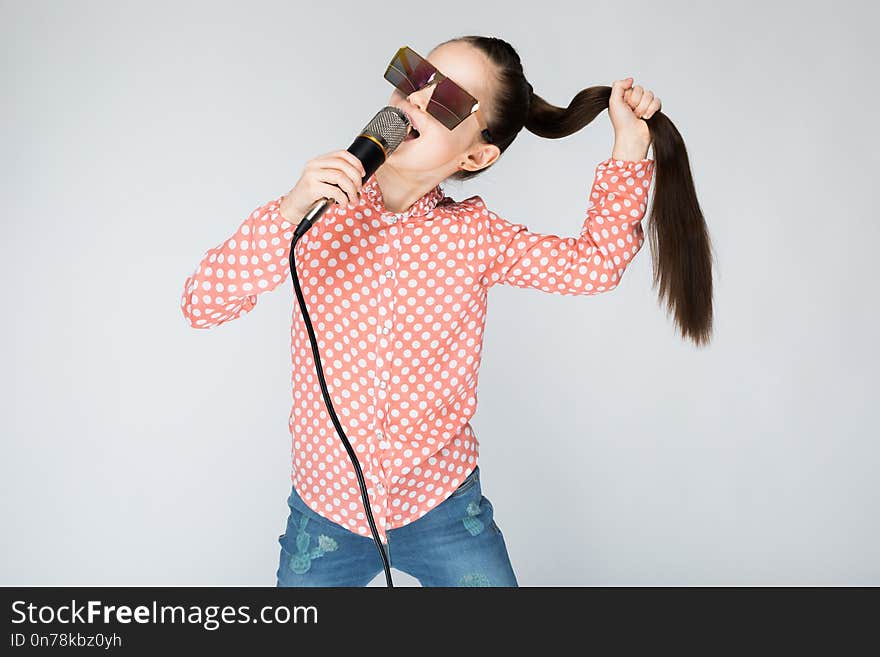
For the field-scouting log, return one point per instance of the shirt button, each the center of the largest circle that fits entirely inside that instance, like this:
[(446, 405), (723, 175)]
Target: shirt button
[(389, 274), (385, 329)]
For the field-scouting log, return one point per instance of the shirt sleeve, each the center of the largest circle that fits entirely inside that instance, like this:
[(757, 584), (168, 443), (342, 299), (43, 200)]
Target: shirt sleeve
[(594, 261), (255, 259)]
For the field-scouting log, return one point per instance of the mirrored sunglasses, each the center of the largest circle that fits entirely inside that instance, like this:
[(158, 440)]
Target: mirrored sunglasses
[(450, 104)]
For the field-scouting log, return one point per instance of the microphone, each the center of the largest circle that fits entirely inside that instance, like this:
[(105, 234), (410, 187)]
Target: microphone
[(379, 139)]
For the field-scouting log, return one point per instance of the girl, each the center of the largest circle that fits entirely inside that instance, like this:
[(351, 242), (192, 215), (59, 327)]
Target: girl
[(395, 277)]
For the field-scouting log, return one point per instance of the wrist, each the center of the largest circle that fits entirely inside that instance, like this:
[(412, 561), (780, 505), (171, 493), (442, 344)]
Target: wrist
[(630, 148), (286, 211)]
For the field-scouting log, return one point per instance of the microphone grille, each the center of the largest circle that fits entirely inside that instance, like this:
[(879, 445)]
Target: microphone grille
[(388, 127)]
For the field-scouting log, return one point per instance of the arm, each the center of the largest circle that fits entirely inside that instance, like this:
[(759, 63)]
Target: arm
[(255, 259), (594, 261)]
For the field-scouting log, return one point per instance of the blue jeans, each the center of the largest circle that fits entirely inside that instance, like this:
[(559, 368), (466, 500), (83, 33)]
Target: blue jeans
[(457, 543)]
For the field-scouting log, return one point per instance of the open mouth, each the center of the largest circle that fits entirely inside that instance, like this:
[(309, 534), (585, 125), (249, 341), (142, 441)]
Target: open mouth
[(412, 134)]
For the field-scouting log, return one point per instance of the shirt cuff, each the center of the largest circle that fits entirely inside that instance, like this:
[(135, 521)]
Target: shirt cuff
[(627, 164)]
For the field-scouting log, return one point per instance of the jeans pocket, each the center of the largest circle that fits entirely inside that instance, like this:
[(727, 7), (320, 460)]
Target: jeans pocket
[(468, 482)]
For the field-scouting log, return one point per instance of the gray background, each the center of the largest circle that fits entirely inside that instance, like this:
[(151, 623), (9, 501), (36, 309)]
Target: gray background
[(137, 450)]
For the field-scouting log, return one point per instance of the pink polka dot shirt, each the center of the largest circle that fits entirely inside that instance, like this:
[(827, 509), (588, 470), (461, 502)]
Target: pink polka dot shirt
[(398, 304)]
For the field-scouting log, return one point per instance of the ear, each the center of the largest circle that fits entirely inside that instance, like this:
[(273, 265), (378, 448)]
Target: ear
[(480, 156)]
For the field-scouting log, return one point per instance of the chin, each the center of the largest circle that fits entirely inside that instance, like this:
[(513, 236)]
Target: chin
[(421, 146), (402, 151)]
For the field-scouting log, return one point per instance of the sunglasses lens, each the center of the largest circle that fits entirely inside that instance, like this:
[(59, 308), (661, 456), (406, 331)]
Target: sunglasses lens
[(421, 73), (399, 79), (408, 72), (450, 104)]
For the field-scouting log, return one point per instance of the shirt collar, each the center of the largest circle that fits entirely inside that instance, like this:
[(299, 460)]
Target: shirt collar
[(373, 195)]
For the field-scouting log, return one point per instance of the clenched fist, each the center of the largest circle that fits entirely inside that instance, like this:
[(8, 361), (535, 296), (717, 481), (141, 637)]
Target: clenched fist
[(629, 108)]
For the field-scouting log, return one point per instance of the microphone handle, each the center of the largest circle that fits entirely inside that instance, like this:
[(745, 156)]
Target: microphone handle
[(372, 155)]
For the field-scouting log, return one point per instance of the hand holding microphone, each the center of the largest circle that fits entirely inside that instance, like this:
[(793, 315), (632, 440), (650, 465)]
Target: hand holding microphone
[(338, 175)]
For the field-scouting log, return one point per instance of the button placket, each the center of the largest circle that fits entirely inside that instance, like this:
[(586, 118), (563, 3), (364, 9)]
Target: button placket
[(386, 304), (380, 502), (378, 377), (380, 509), (389, 290), (383, 489)]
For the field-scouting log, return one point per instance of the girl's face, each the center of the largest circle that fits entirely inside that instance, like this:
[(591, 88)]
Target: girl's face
[(438, 151)]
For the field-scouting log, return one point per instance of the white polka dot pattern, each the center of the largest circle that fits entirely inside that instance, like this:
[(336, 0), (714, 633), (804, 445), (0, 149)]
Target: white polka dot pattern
[(591, 263), (398, 305)]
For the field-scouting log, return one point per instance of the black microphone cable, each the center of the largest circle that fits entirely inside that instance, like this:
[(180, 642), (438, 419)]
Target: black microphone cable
[(348, 448), (382, 135)]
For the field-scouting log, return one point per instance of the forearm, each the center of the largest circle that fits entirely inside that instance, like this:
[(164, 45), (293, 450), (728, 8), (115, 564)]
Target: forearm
[(630, 149), (230, 276)]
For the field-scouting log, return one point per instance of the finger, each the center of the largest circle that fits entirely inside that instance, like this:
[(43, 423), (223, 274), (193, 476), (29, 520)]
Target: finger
[(332, 191), (335, 161), (635, 97), (334, 158), (653, 109), (352, 179), (644, 103), (618, 87), (324, 156), (342, 180), (355, 161), (352, 172)]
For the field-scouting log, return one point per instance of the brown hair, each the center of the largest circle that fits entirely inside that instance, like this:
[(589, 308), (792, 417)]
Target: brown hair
[(677, 232)]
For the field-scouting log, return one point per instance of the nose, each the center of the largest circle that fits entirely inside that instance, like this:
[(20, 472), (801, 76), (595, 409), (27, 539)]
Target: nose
[(420, 97)]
